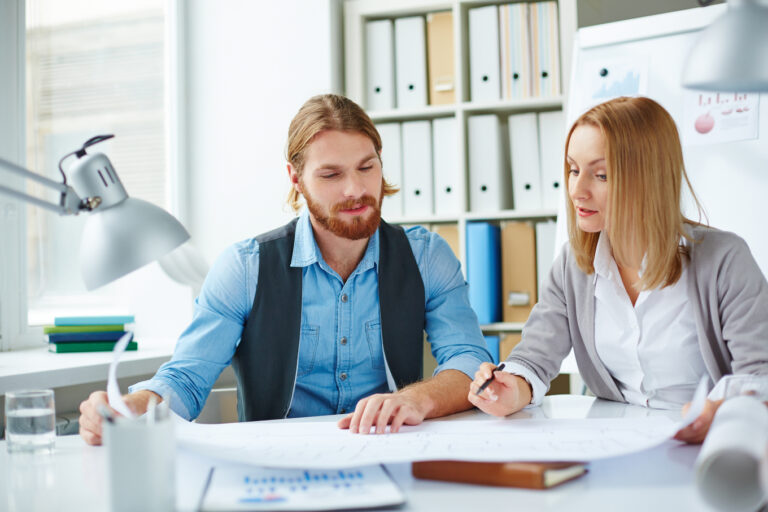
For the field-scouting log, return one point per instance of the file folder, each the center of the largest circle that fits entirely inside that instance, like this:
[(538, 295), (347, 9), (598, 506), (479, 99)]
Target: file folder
[(489, 184), (524, 158), (484, 71), (417, 168), (484, 271), (380, 65), (518, 270), (410, 62), (429, 364), (446, 166), (516, 75), (545, 251), (545, 48), (507, 343), (392, 166), (552, 157), (441, 69), (492, 342), (449, 233)]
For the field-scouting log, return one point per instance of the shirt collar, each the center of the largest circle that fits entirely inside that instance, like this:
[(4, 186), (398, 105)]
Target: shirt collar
[(306, 252), (603, 257)]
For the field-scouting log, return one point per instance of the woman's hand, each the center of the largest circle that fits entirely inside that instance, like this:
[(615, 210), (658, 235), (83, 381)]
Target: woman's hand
[(507, 393), (697, 431)]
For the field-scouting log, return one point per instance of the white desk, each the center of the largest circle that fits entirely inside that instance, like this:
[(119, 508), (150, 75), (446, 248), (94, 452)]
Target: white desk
[(74, 478)]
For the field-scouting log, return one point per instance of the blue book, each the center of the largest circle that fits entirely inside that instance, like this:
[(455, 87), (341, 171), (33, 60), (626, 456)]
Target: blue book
[(74, 337), (484, 270), (93, 320), (493, 347)]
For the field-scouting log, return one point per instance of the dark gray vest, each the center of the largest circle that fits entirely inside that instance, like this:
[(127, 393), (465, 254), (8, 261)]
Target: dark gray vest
[(266, 358)]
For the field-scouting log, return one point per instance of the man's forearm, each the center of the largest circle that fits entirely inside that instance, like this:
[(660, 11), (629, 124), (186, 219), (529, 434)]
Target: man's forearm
[(443, 394)]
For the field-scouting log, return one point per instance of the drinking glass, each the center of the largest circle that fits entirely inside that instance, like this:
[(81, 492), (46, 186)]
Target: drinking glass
[(30, 421)]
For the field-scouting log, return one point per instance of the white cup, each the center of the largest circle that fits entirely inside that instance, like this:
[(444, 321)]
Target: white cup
[(141, 464)]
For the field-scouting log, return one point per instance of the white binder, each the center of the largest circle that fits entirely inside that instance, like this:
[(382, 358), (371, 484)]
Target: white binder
[(380, 65), (545, 251), (487, 188), (552, 156), (417, 168), (411, 62), (446, 168), (484, 71), (524, 156), (392, 161), (515, 46), (545, 49)]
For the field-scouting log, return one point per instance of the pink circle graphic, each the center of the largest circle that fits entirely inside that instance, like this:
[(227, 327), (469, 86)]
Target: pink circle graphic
[(704, 123)]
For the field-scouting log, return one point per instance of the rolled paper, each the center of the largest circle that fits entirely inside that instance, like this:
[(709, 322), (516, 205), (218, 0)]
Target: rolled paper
[(728, 473)]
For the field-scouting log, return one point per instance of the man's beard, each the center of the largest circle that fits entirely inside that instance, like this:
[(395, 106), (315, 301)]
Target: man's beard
[(358, 227)]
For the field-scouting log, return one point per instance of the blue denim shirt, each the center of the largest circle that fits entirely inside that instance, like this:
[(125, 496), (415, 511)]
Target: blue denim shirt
[(340, 350)]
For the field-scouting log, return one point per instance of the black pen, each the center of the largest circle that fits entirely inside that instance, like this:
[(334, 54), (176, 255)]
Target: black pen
[(488, 382)]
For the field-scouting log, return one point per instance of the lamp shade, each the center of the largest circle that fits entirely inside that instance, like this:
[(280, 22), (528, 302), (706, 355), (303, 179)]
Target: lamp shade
[(124, 237), (732, 53)]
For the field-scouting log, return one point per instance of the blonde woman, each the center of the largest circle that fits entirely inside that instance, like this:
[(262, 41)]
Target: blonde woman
[(649, 300)]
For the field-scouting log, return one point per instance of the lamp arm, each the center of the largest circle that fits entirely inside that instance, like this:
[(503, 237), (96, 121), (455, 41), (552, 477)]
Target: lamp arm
[(69, 203)]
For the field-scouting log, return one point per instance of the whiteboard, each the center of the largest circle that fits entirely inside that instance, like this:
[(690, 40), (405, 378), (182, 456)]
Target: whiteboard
[(647, 54)]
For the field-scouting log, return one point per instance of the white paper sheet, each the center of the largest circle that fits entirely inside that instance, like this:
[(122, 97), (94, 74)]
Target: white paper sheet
[(697, 403), (324, 445), (113, 390), (241, 487)]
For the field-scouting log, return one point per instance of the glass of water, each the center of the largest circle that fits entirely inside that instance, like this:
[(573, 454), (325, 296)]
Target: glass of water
[(30, 421)]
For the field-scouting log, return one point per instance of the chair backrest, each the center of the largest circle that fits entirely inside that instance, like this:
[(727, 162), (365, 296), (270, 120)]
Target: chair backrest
[(221, 407)]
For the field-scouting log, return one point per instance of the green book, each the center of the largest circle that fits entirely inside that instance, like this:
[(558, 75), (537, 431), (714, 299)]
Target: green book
[(94, 346), (54, 329)]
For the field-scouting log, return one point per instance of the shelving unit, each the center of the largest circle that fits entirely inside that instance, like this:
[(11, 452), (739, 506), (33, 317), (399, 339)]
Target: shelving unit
[(358, 12)]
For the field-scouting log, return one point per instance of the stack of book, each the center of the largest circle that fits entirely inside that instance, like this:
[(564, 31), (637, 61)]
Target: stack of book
[(87, 333)]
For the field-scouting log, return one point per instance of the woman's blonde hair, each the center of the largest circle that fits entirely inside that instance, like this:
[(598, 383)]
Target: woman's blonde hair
[(327, 112), (645, 169)]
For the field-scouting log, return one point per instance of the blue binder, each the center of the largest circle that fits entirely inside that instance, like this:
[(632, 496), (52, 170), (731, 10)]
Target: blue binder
[(493, 347), (484, 270)]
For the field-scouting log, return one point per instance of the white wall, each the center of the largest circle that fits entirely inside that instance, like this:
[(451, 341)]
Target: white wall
[(249, 67)]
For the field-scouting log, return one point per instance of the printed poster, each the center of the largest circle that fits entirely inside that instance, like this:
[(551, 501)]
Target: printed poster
[(717, 117)]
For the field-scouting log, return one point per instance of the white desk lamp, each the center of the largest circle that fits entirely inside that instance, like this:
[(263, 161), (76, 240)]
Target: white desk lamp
[(732, 53), (122, 234)]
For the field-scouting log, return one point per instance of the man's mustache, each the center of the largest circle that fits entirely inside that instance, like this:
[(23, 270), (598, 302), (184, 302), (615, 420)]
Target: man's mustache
[(350, 204)]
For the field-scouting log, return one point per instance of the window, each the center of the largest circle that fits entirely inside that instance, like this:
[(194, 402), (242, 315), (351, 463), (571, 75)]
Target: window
[(72, 70), (91, 69)]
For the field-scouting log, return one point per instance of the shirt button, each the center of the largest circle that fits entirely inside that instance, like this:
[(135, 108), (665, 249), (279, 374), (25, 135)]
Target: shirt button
[(343, 297), (342, 411), (343, 376), (343, 341)]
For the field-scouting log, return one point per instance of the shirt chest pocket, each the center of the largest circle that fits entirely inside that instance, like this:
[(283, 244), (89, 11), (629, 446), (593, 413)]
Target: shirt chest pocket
[(307, 349), (375, 347)]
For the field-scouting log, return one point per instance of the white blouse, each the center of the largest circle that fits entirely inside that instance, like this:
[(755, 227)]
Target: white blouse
[(651, 349)]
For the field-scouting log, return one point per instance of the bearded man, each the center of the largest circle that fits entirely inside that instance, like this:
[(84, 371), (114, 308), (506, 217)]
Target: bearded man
[(327, 314)]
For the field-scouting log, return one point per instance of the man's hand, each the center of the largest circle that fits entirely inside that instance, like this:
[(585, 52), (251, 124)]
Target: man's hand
[(506, 394), (697, 431), (394, 409), (90, 419), (441, 395)]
